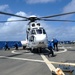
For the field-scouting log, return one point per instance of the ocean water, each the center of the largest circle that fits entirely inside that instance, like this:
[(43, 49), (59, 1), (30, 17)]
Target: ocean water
[(10, 44)]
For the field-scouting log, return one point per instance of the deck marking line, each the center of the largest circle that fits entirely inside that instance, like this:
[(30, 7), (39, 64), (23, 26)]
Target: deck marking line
[(50, 66), (25, 59), (21, 59), (16, 52), (61, 51), (62, 63)]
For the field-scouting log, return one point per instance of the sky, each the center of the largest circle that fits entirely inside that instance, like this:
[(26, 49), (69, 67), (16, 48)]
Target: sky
[(16, 31)]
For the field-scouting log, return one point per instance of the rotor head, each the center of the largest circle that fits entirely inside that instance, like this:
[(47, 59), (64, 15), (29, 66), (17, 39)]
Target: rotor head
[(33, 18)]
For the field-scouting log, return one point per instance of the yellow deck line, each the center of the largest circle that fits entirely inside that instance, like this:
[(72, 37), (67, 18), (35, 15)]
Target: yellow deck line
[(51, 67), (62, 63)]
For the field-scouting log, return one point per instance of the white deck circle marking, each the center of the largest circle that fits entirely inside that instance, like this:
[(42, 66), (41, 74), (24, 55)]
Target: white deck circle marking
[(61, 51), (17, 52), (14, 51)]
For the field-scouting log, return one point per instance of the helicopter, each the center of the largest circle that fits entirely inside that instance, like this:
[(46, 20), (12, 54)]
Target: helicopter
[(36, 36)]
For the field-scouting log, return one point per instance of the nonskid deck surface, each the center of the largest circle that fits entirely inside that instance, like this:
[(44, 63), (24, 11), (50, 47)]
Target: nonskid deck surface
[(25, 62)]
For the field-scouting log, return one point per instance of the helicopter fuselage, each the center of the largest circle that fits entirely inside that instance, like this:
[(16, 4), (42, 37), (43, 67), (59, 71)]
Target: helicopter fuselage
[(36, 36)]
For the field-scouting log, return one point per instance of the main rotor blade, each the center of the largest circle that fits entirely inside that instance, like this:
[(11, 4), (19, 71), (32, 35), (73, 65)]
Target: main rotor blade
[(56, 15), (12, 21), (5, 13), (58, 20)]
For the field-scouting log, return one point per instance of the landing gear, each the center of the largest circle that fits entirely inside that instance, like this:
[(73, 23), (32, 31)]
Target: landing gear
[(24, 47), (37, 50)]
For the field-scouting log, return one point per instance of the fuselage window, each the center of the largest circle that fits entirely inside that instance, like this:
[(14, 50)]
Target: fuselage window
[(33, 32), (31, 38)]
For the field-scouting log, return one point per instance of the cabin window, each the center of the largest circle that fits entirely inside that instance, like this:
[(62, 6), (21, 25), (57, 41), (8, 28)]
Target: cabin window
[(38, 24), (33, 32), (28, 29), (33, 25), (31, 38)]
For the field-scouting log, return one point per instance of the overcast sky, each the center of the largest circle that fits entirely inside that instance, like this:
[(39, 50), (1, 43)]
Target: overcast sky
[(17, 30)]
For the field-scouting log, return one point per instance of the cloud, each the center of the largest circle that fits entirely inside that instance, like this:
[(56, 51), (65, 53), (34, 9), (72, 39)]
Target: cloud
[(70, 7), (4, 7), (10, 31), (61, 32), (13, 30), (39, 1), (68, 30)]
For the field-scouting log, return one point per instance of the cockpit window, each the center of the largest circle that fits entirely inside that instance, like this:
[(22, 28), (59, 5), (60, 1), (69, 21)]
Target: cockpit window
[(39, 31), (44, 31)]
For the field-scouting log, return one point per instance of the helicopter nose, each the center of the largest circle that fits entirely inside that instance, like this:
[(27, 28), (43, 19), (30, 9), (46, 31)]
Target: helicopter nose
[(41, 41), (41, 38)]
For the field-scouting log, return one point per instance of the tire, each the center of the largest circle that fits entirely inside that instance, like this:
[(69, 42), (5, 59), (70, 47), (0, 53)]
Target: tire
[(24, 47)]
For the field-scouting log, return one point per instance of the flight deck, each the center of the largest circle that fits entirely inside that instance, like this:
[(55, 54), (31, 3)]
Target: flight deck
[(25, 62)]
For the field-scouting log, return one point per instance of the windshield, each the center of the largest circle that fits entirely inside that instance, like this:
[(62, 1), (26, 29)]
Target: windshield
[(39, 31)]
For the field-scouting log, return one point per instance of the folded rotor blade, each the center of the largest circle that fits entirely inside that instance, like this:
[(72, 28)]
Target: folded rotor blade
[(5, 13), (56, 15), (58, 20)]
